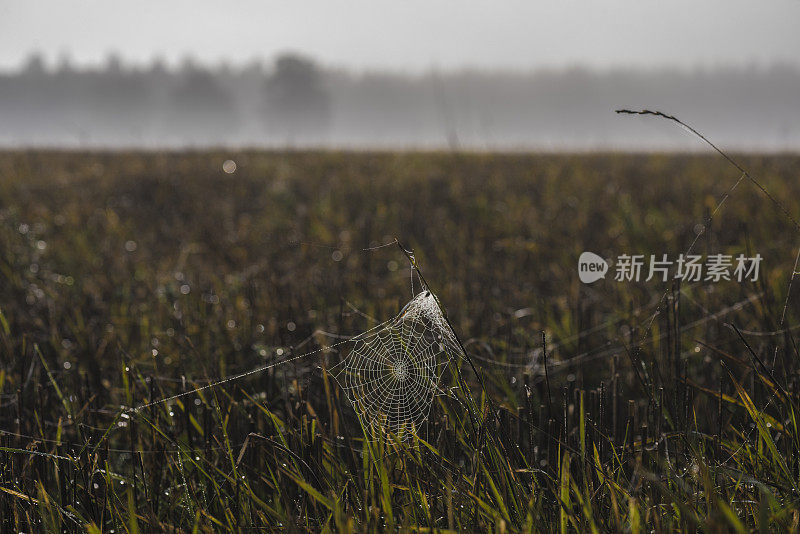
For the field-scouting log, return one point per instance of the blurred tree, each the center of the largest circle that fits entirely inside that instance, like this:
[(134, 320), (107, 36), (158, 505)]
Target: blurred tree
[(298, 104), (34, 65), (64, 64), (158, 67), (113, 103), (114, 65), (202, 111)]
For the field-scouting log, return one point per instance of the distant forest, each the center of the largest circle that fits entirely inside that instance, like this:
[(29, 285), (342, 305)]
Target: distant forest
[(294, 102)]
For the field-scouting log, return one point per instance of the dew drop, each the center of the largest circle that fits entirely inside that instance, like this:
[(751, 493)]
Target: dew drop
[(229, 166)]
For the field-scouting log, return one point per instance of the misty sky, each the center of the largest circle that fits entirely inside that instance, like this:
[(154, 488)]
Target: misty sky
[(410, 35)]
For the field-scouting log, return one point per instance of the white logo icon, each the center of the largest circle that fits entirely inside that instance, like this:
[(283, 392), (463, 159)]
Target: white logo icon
[(591, 267)]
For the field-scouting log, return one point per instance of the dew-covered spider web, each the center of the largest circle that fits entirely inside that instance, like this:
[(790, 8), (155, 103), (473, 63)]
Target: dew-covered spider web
[(391, 374), (392, 371)]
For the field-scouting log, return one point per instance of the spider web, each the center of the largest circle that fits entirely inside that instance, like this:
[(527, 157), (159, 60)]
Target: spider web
[(392, 373)]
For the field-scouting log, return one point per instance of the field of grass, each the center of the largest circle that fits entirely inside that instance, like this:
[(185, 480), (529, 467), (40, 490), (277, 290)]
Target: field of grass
[(126, 278)]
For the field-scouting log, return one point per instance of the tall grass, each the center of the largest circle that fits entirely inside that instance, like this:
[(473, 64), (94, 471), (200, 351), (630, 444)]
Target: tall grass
[(127, 278)]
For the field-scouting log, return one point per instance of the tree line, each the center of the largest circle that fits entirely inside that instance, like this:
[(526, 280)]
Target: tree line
[(296, 102)]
